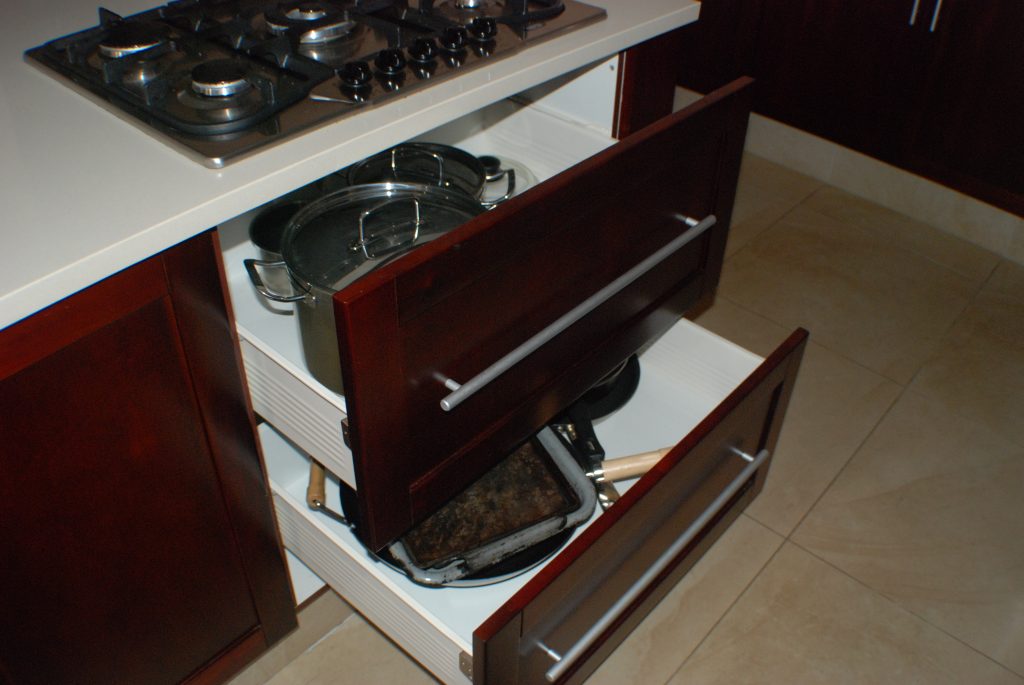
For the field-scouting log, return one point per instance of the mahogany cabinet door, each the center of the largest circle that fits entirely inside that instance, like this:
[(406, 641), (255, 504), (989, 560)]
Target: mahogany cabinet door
[(139, 542), (851, 72), (567, 620), (968, 130), (457, 305), (719, 46), (646, 83)]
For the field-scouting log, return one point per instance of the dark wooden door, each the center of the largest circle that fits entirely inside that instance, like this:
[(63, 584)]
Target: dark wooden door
[(138, 538), (852, 72), (719, 46), (969, 131), (455, 306), (562, 624)]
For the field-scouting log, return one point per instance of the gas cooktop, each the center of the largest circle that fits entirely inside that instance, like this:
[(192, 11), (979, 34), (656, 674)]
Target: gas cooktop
[(219, 79)]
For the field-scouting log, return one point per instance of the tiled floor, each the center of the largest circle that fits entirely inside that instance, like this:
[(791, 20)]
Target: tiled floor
[(888, 544)]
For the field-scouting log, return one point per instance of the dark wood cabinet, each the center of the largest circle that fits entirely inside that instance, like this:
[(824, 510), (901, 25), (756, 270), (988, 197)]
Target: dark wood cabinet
[(932, 86), (968, 131), (135, 517), (848, 71), (720, 46)]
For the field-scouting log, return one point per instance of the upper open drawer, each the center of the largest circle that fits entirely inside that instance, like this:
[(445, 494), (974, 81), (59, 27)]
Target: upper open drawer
[(555, 287)]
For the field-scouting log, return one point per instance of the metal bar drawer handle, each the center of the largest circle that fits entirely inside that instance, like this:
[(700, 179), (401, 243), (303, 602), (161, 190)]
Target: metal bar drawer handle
[(463, 391), (564, 662), (913, 11), (935, 16)]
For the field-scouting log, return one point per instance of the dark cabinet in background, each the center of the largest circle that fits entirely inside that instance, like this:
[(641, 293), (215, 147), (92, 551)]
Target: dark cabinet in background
[(970, 130), (932, 86), (851, 72), (135, 520)]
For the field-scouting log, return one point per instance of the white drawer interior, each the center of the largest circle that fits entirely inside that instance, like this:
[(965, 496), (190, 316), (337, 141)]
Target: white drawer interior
[(282, 389), (684, 375)]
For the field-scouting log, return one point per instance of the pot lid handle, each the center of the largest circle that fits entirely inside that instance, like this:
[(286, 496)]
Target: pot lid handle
[(367, 240)]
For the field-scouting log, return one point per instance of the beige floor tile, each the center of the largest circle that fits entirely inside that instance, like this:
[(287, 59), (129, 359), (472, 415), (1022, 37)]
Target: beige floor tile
[(930, 513), (947, 250), (1008, 281), (657, 647), (742, 326), (978, 371), (834, 407), (802, 621), (317, 618), (766, 192), (876, 303), (355, 653)]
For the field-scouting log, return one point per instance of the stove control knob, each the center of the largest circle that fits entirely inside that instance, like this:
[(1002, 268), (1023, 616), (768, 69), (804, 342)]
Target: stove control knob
[(390, 61), (482, 29), (355, 74), (423, 50), (453, 39)]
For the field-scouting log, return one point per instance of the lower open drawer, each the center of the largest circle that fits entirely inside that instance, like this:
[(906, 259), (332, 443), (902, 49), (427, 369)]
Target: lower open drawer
[(719, 404)]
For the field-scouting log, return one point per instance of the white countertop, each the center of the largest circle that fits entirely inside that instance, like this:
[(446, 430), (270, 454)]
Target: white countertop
[(86, 193)]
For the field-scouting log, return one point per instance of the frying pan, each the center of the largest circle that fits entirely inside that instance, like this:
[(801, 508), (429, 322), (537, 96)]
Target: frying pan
[(541, 492), (461, 546)]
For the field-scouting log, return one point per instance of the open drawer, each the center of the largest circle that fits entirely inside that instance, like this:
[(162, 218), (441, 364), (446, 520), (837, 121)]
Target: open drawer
[(459, 350), (721, 405), (634, 235), (283, 390)]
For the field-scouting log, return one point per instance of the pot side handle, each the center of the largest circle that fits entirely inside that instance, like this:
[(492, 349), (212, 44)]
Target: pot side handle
[(252, 266)]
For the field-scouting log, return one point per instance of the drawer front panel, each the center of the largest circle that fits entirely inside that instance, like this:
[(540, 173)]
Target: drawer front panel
[(561, 625), (455, 306)]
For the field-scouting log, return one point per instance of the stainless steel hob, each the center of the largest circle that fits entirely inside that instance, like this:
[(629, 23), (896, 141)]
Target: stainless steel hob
[(222, 78)]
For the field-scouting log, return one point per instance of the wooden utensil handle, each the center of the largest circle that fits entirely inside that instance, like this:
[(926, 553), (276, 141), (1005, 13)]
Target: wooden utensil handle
[(316, 491), (631, 466)]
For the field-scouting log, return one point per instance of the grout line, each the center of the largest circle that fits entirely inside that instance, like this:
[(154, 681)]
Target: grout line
[(736, 599), (846, 464), (896, 603), (959, 315)]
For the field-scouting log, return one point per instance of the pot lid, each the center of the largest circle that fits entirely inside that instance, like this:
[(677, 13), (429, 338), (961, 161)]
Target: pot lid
[(344, 235), (427, 163)]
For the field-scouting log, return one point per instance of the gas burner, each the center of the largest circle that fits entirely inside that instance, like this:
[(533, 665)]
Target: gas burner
[(219, 96), (511, 12), (314, 22), (132, 37), (220, 78), (223, 78), (306, 12), (230, 116), (475, 4)]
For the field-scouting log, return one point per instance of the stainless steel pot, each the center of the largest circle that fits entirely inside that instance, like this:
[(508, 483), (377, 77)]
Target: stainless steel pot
[(266, 232), (335, 240), (439, 165)]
